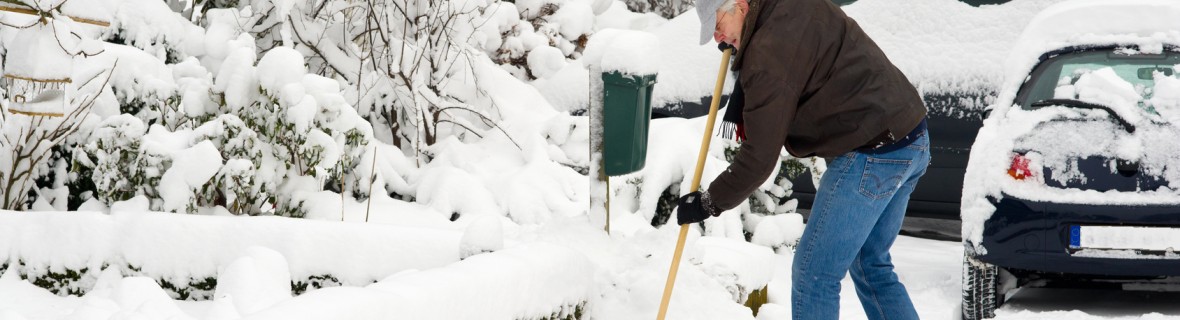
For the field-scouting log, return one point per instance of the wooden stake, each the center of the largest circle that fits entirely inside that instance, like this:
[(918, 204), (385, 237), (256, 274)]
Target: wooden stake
[(17, 7)]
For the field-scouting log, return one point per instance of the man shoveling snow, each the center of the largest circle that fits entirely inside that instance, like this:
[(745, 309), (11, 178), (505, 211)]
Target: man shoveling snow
[(815, 84)]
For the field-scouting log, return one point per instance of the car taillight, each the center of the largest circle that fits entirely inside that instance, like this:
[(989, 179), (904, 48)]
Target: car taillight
[(1019, 169)]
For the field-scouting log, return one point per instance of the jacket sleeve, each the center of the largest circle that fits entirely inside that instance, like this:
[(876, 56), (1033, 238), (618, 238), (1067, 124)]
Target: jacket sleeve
[(773, 78)]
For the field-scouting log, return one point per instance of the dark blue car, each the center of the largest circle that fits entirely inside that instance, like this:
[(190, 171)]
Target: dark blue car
[(1074, 178)]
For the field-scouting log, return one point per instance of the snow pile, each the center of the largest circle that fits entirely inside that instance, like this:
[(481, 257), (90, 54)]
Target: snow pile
[(141, 296), (528, 281), (1146, 24), (713, 273), (484, 234), (624, 51), (257, 280), (184, 249), (749, 267)]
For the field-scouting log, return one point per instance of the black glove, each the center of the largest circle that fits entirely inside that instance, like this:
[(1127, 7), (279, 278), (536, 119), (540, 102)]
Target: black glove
[(695, 207)]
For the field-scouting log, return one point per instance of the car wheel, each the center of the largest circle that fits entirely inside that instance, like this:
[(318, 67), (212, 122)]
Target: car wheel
[(982, 289)]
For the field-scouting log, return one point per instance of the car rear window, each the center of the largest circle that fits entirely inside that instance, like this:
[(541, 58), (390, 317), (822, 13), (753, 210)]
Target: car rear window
[(1106, 77)]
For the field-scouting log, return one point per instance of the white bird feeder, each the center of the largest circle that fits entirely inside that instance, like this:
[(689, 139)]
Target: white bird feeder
[(37, 74)]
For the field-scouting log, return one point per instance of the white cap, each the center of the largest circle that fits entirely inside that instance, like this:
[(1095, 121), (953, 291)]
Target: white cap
[(707, 11)]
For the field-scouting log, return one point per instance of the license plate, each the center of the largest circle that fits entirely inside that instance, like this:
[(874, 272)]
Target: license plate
[(1124, 238)]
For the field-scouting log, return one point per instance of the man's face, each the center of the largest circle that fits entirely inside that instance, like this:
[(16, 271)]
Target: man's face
[(729, 24)]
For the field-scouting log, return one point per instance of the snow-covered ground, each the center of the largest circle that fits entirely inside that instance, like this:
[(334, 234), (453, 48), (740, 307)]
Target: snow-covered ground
[(930, 269)]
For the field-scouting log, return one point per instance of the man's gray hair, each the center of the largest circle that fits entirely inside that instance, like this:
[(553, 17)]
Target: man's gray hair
[(727, 6)]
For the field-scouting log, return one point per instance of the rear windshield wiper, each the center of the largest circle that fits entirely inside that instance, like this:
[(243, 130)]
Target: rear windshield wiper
[(1085, 105)]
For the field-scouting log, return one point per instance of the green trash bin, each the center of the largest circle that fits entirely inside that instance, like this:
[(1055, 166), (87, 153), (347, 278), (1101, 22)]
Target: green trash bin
[(627, 116)]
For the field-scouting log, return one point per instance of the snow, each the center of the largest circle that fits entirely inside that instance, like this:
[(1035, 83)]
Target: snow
[(279, 67), (49, 102), (619, 17), (193, 82), (138, 203), (255, 281), (136, 75), (141, 297), (625, 51), (153, 26), (544, 61), (43, 58), (751, 267), (781, 230), (576, 19), (1106, 88), (499, 225), (567, 89), (318, 140), (946, 45), (531, 9), (1166, 99), (179, 246), (237, 77), (484, 234), (93, 10), (191, 168), (617, 276), (687, 71)]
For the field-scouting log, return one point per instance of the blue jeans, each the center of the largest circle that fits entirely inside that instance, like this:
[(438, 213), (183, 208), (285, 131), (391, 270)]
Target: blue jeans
[(857, 214)]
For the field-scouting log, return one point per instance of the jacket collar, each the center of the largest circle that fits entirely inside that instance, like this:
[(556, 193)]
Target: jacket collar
[(753, 20)]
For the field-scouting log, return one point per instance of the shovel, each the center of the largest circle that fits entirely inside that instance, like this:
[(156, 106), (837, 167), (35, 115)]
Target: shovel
[(696, 180)]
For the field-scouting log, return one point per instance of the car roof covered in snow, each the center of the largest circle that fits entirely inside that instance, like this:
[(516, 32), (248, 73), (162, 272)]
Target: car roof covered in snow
[(1148, 24)]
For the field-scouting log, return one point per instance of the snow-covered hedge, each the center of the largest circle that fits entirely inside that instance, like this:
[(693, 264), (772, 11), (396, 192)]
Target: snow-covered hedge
[(67, 251), (249, 267), (529, 282)]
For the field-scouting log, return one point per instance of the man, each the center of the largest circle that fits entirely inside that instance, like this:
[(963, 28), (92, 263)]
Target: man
[(815, 84)]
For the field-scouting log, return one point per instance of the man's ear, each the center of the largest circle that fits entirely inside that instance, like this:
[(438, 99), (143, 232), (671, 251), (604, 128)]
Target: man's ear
[(743, 5)]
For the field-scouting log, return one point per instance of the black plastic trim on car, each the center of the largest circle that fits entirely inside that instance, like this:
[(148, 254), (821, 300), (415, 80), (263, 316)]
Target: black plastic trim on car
[(1034, 236)]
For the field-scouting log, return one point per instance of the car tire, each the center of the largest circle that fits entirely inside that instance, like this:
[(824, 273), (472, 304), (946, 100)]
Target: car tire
[(982, 289)]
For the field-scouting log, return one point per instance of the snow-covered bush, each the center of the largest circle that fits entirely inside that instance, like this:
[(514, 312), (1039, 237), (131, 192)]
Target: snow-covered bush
[(778, 231), (665, 8), (39, 58), (153, 27), (115, 149)]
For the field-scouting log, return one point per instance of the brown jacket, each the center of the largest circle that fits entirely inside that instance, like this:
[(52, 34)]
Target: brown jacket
[(814, 83)]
